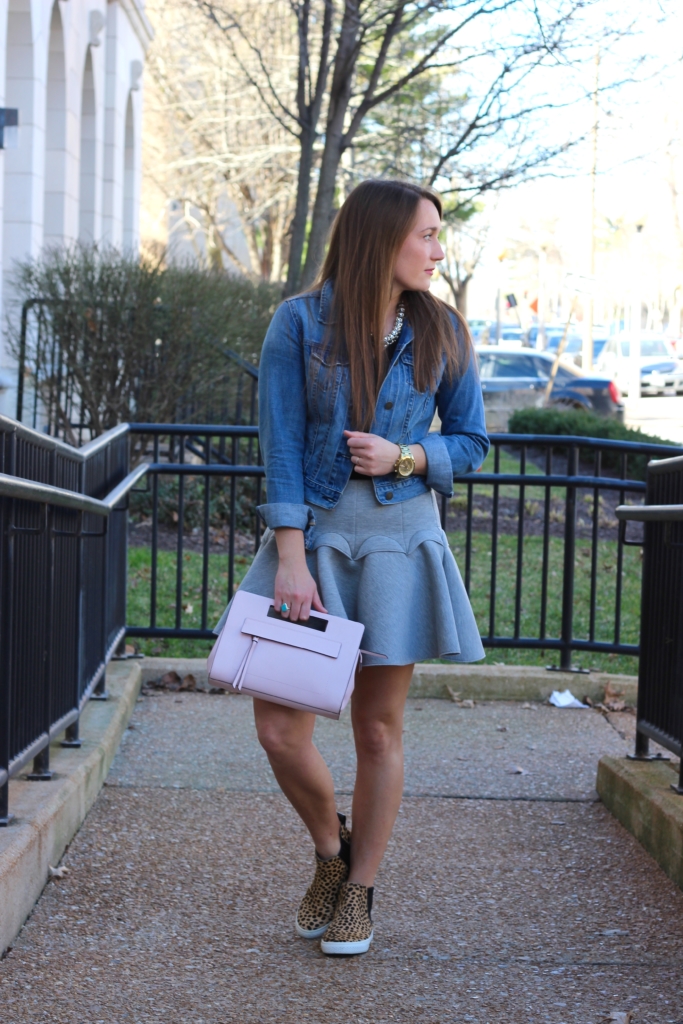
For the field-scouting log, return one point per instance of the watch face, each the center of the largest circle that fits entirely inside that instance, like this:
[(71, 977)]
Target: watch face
[(405, 466)]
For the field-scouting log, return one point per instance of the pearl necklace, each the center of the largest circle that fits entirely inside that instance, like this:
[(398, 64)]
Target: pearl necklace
[(400, 316)]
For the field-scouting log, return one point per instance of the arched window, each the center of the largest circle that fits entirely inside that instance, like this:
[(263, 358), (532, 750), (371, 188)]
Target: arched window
[(55, 135), (88, 180), (129, 240), (20, 229)]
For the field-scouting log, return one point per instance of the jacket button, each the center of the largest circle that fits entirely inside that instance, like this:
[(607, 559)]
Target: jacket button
[(389, 495), (388, 405)]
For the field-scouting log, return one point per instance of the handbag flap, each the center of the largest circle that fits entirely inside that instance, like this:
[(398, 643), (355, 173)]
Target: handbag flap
[(293, 636)]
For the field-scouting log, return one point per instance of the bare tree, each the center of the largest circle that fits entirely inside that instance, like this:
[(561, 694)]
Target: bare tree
[(355, 57), (212, 148), (464, 244)]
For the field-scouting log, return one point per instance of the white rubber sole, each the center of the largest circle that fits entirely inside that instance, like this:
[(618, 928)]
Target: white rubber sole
[(314, 934), (346, 948)]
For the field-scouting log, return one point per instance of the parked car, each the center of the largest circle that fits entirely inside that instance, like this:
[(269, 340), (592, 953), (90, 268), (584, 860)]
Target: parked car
[(573, 349), (659, 370), (480, 331), (504, 369)]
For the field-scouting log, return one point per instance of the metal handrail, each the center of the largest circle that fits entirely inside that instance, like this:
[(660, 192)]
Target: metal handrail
[(567, 440), (29, 490), (649, 513), (52, 444)]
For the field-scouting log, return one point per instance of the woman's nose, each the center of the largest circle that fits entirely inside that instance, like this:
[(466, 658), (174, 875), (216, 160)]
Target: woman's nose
[(437, 253)]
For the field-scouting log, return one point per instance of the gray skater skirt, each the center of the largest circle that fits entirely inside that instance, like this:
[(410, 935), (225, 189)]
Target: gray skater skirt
[(389, 567)]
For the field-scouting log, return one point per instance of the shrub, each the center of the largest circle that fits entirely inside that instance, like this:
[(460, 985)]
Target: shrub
[(579, 423), (193, 503), (116, 338)]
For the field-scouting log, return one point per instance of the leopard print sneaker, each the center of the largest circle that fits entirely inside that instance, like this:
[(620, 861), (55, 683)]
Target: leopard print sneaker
[(350, 930), (317, 907)]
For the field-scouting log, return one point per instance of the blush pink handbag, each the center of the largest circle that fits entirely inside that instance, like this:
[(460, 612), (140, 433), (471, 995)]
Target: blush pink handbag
[(308, 665)]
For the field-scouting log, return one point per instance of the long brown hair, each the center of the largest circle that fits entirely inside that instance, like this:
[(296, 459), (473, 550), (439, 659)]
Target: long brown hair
[(365, 240)]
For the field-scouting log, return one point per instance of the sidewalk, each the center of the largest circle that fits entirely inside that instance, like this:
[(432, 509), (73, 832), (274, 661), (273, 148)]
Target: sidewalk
[(508, 895)]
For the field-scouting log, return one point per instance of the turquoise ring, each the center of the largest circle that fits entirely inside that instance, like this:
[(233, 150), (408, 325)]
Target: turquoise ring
[(284, 607)]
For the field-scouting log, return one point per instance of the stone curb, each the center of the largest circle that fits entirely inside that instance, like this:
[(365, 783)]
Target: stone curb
[(639, 795), (472, 682), (48, 814)]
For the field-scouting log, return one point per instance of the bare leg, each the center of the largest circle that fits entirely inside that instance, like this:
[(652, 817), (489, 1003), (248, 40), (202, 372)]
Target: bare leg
[(286, 735), (377, 715)]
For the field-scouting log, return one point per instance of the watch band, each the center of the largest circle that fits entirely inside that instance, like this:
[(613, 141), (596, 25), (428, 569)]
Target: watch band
[(406, 455)]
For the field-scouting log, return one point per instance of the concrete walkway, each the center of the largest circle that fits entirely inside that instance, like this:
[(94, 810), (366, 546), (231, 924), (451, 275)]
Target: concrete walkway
[(508, 894)]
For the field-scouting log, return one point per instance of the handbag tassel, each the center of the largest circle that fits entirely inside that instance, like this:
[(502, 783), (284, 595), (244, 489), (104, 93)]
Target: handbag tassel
[(244, 665)]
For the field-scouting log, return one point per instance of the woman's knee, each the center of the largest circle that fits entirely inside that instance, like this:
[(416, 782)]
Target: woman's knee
[(376, 738), (280, 737)]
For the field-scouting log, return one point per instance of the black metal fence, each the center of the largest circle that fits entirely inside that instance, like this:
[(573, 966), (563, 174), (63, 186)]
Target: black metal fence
[(48, 388), (660, 677), (536, 534), (203, 485), (536, 537), (63, 528)]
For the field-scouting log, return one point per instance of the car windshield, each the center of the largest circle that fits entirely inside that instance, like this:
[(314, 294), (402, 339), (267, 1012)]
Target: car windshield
[(509, 364), (649, 347), (574, 343)]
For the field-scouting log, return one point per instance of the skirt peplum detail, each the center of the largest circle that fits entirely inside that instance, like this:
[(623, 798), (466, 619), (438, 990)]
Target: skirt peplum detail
[(389, 567)]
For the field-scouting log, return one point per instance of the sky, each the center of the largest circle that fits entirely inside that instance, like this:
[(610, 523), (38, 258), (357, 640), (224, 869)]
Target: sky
[(636, 123)]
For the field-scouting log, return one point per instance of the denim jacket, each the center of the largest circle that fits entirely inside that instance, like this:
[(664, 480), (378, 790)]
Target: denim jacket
[(304, 410)]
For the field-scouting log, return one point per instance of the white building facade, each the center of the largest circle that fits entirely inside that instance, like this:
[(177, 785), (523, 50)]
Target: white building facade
[(73, 69)]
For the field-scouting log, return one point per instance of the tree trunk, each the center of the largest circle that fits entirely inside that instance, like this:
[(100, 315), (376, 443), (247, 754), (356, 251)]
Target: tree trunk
[(335, 142), (461, 296), (300, 218)]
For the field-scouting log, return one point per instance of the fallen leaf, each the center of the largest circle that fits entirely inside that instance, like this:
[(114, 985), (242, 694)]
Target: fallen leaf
[(189, 608), (502, 728), (456, 698), (189, 683), (611, 693), (618, 1017), (131, 649), (57, 872), (174, 517), (171, 681), (528, 707), (516, 770)]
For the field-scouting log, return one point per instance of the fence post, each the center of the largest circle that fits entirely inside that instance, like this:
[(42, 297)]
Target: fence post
[(569, 559), (41, 762), (5, 659)]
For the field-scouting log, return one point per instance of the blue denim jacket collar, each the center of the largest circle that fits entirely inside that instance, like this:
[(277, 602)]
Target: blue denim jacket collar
[(325, 317)]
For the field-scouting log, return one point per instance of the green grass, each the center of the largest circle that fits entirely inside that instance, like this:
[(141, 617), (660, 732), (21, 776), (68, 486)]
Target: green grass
[(140, 573), (532, 561), (139, 577)]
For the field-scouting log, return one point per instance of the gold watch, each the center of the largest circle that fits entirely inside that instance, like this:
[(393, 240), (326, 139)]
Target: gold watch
[(405, 463)]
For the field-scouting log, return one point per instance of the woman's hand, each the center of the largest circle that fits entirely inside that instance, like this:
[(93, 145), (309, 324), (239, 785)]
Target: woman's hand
[(294, 585), (371, 455)]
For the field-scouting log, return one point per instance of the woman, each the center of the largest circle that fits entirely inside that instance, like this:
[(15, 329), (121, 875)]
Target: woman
[(351, 375)]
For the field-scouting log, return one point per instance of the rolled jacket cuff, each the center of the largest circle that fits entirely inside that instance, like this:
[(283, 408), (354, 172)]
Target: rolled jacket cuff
[(282, 513), (439, 474)]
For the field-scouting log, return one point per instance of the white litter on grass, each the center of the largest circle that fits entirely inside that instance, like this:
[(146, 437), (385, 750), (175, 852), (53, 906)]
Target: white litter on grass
[(565, 699)]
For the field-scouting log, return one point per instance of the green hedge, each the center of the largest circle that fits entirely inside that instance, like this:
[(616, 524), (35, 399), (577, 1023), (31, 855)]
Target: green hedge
[(577, 423), (138, 340)]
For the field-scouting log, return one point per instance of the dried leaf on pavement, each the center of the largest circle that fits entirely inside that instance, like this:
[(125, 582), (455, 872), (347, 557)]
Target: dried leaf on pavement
[(189, 682), (57, 872), (618, 1017), (171, 681), (516, 770), (455, 697)]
